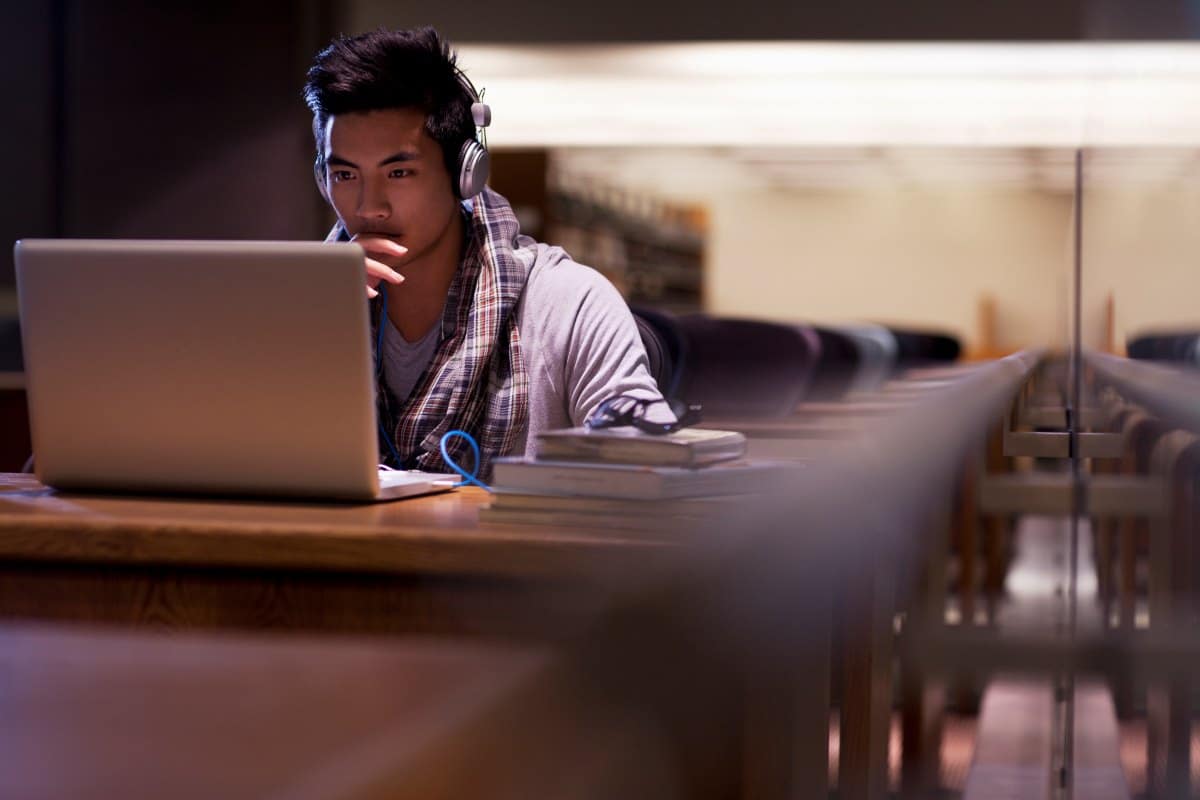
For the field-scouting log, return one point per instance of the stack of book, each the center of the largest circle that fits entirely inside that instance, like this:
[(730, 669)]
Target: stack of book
[(624, 479)]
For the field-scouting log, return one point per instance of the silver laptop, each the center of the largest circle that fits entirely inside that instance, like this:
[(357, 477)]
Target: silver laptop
[(232, 368)]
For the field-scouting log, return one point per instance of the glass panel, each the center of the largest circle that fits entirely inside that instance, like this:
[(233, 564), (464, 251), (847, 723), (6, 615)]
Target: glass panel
[(1140, 338)]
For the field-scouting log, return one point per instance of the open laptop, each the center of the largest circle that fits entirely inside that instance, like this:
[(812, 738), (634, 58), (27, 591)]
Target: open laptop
[(230, 368)]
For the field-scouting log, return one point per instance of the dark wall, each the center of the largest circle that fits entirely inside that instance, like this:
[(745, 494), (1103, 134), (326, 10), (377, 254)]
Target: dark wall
[(188, 124), (865, 20), (27, 203), (685, 20), (1143, 19), (161, 120)]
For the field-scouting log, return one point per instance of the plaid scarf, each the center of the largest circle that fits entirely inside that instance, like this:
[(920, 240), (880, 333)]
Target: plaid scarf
[(476, 381)]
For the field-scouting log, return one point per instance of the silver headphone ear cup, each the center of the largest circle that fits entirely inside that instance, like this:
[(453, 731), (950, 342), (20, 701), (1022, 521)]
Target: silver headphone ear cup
[(473, 166)]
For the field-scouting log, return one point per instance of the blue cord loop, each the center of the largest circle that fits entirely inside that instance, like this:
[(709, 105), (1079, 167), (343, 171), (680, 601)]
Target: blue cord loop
[(471, 477)]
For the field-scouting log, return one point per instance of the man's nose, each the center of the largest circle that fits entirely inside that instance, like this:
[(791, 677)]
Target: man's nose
[(373, 202)]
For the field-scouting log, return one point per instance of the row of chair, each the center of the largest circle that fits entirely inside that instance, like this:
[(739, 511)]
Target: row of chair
[(757, 368), (1181, 347), (1149, 563)]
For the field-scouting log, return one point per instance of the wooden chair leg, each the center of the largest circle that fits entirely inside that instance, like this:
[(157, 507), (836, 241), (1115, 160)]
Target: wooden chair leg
[(1127, 584), (867, 688), (967, 523), (1103, 543), (997, 530), (1169, 697), (922, 693)]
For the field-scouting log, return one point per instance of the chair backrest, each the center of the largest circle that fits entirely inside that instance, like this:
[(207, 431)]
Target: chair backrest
[(1178, 346), (915, 347), (1192, 353), (1141, 347), (746, 368), (836, 366), (662, 330), (659, 357), (877, 350)]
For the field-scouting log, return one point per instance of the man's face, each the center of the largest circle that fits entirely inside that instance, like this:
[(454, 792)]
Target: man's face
[(385, 175)]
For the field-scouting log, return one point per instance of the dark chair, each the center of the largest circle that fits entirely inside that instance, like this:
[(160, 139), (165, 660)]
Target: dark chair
[(658, 352), (746, 368), (1142, 347), (877, 350), (1181, 347), (836, 365), (1192, 352), (916, 347)]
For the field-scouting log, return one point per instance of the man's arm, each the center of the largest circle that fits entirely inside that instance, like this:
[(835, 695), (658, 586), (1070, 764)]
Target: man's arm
[(605, 355)]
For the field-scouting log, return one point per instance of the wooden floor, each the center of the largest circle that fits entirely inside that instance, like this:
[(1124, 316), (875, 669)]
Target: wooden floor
[(958, 746), (1133, 756)]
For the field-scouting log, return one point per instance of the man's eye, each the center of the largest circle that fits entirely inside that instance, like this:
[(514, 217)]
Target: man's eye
[(400, 173), (339, 175)]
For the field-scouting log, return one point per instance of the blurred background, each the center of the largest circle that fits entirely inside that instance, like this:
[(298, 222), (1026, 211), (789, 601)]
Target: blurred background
[(907, 166), (1012, 176)]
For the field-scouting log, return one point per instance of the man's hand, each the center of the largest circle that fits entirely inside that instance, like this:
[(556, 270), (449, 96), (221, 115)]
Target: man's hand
[(380, 250)]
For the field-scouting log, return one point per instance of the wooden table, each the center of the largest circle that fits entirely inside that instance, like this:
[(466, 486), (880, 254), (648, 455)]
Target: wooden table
[(422, 564), (757, 728)]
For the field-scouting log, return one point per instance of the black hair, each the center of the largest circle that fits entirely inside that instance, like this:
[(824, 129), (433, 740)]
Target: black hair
[(386, 69)]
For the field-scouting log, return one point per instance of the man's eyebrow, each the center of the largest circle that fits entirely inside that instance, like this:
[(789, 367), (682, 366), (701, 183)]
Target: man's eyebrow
[(394, 158), (402, 156)]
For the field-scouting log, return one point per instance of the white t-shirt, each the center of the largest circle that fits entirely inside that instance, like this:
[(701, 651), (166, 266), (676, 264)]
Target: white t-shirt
[(404, 361)]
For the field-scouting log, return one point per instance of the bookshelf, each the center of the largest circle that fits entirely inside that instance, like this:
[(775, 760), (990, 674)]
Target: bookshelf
[(650, 247)]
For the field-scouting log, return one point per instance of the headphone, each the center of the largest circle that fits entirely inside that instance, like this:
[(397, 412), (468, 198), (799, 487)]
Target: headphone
[(474, 164)]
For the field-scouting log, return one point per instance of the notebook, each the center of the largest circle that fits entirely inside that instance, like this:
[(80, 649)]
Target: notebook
[(226, 368)]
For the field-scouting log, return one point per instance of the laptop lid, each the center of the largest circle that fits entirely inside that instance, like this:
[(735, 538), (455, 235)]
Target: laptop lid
[(199, 366)]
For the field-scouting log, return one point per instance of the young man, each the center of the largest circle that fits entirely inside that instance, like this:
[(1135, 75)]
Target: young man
[(478, 327)]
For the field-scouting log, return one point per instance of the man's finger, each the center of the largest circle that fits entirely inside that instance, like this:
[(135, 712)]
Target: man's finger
[(381, 271), (380, 244), (372, 293)]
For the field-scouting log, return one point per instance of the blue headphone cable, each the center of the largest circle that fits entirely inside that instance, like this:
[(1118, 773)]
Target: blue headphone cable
[(468, 477), (383, 434)]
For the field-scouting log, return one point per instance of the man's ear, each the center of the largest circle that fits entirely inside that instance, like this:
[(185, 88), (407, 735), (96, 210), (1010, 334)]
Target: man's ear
[(319, 176)]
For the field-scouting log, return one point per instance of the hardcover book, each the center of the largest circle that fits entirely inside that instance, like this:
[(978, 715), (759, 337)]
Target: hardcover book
[(689, 447), (637, 481)]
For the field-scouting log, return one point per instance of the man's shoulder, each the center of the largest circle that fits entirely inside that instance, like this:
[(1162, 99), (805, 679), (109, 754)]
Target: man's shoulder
[(561, 296), (556, 276)]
